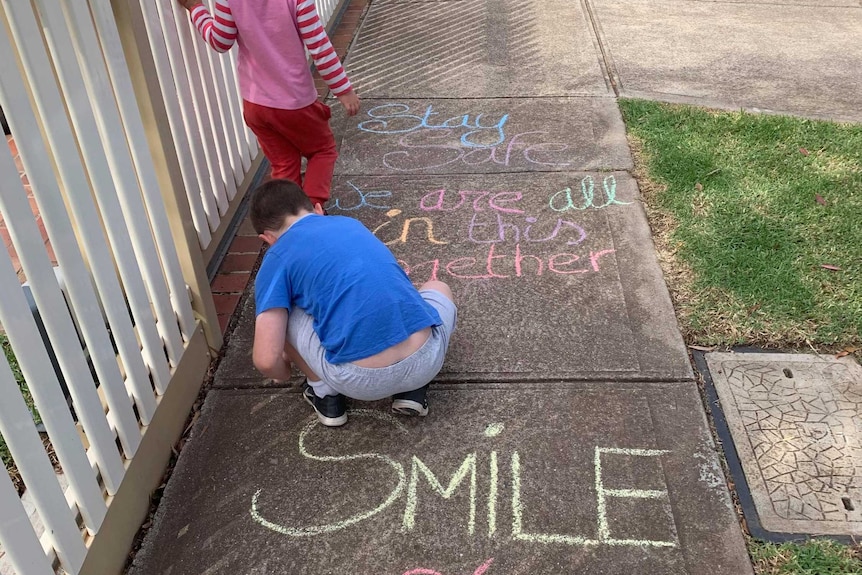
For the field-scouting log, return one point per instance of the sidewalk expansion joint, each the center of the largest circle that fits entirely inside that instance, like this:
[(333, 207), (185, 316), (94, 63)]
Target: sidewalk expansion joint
[(465, 385), (426, 175), (606, 61), (491, 98)]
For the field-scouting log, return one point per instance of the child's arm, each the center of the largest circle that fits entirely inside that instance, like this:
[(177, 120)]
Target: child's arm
[(323, 54), (270, 328), (219, 31)]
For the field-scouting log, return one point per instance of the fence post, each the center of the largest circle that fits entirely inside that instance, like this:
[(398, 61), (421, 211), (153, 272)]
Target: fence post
[(132, 29)]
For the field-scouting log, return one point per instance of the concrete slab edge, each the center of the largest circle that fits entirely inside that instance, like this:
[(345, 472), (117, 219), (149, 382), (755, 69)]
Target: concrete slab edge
[(730, 107), (494, 381), (525, 96), (731, 457), (243, 386)]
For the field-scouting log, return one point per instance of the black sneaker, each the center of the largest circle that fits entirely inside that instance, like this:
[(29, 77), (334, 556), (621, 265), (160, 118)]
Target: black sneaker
[(331, 410), (411, 403)]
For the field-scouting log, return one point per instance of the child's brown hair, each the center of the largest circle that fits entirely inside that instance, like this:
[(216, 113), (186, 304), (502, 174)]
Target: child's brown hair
[(274, 201)]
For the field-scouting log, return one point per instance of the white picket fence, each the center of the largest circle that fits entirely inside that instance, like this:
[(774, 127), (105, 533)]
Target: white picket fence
[(326, 10), (117, 311), (200, 92)]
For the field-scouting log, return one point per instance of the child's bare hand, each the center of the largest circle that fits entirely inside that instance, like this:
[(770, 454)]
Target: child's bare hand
[(350, 101)]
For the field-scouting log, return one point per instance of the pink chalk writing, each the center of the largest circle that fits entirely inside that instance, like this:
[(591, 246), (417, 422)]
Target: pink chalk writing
[(479, 570), (494, 265), (493, 229), (434, 201)]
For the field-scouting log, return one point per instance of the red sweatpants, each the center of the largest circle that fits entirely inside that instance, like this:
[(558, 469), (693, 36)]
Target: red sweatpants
[(287, 136)]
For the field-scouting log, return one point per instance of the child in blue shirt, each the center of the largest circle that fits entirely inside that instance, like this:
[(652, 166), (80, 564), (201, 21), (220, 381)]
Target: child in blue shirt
[(331, 298)]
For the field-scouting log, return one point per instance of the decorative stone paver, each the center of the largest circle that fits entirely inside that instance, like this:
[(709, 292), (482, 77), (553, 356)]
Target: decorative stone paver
[(796, 421)]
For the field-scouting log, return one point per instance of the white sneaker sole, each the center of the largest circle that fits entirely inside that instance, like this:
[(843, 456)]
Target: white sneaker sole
[(409, 407), (331, 421)]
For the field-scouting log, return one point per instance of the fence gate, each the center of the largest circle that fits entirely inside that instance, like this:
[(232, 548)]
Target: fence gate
[(127, 161)]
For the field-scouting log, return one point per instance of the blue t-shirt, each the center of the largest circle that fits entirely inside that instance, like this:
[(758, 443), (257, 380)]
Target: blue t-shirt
[(336, 270)]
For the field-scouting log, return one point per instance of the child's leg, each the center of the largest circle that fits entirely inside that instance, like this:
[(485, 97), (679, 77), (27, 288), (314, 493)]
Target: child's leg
[(317, 143), (284, 156), (290, 354), (303, 348), (322, 154), (440, 287), (439, 296), (320, 387)]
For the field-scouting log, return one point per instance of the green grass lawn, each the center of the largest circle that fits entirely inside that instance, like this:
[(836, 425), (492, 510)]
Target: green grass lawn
[(816, 557), (747, 210)]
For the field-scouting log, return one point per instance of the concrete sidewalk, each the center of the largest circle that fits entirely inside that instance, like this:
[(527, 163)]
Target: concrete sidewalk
[(567, 434), (800, 57)]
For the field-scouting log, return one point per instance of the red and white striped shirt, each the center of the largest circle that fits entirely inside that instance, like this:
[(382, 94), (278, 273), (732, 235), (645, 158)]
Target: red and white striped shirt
[(221, 30)]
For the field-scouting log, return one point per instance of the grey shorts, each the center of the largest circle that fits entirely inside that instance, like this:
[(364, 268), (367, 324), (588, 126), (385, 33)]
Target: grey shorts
[(373, 383)]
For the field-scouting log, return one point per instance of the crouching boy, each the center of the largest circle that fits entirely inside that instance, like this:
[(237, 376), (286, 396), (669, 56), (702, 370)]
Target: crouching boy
[(331, 298)]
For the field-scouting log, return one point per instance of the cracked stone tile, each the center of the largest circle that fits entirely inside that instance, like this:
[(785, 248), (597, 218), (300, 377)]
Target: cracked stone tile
[(795, 420)]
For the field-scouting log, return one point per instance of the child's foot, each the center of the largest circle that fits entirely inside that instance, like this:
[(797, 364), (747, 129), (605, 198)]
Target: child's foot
[(331, 410), (411, 403)]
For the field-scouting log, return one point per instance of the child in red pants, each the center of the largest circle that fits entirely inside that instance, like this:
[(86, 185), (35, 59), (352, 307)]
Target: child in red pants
[(280, 102)]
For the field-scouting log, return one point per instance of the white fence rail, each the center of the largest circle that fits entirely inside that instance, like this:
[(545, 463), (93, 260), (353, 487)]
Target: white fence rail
[(326, 10), (102, 338), (122, 299), (201, 95)]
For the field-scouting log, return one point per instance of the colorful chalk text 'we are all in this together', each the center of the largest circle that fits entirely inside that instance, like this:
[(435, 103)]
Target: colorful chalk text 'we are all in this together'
[(513, 237)]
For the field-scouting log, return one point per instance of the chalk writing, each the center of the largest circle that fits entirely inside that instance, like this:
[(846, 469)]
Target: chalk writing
[(479, 570), (397, 119), (434, 201), (492, 496), (471, 268), (499, 222), (328, 528), (488, 231), (500, 231), (418, 154), (497, 204), (603, 493), (363, 200), (604, 537), (428, 141), (468, 466), (518, 516), (405, 229), (467, 473), (562, 201)]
